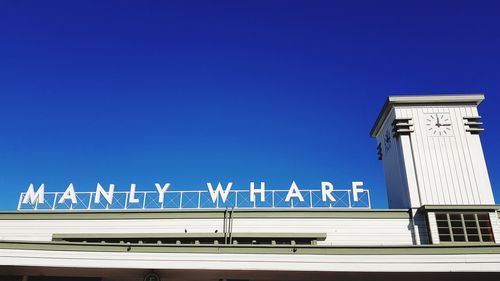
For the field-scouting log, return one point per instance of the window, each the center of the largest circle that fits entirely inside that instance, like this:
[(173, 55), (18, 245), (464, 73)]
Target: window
[(464, 227)]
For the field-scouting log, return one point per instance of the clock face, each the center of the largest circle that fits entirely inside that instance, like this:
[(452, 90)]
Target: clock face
[(438, 124)]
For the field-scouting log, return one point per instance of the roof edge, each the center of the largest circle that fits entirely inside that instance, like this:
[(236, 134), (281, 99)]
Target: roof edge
[(492, 207), (254, 249), (218, 214)]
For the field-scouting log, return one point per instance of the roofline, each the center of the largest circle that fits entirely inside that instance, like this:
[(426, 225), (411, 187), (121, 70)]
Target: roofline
[(254, 249), (391, 101), (431, 208), (207, 214)]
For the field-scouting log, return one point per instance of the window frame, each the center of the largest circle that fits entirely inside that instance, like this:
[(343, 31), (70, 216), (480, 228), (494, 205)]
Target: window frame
[(482, 231)]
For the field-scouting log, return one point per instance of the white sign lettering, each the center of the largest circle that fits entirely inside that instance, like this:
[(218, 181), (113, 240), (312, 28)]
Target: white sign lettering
[(214, 197), (131, 197), (294, 192), (356, 190), (219, 191), (101, 192), (33, 197), (262, 191), (68, 194), (326, 191), (161, 191)]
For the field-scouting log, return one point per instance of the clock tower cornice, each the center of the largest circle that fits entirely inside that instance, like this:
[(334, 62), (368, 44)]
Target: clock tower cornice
[(445, 99)]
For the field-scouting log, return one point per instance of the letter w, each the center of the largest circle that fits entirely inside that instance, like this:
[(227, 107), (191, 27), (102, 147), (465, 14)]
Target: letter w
[(219, 191)]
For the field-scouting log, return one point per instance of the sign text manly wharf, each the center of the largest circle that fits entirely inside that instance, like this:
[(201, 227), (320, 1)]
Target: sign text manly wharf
[(214, 197)]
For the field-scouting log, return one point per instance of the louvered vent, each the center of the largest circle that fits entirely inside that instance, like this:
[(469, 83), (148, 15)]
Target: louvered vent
[(402, 126), (473, 124)]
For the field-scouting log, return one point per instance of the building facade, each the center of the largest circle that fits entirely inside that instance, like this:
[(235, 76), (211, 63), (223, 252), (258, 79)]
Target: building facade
[(442, 221)]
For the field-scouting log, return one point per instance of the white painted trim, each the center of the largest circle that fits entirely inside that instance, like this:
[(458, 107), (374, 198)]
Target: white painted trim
[(185, 261), (495, 225), (433, 99), (434, 234)]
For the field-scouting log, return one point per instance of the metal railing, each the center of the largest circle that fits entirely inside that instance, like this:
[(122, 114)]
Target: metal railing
[(193, 199)]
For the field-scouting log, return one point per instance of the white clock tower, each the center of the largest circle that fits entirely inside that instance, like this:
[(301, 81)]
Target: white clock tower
[(431, 151)]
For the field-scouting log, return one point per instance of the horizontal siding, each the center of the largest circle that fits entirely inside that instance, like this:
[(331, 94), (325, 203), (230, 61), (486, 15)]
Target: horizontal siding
[(42, 230), (405, 263), (339, 231)]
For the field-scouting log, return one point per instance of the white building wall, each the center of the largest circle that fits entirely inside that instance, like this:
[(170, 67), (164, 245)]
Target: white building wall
[(275, 262), (42, 230), (495, 225), (439, 170), (433, 229), (339, 231), (450, 169), (394, 168)]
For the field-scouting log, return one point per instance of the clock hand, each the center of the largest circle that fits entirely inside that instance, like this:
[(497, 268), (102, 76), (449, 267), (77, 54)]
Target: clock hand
[(438, 124)]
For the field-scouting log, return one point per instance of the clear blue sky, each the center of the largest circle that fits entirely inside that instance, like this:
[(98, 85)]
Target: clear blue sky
[(195, 91)]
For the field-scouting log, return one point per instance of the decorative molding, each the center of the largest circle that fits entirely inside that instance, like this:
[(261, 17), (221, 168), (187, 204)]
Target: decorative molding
[(379, 151)]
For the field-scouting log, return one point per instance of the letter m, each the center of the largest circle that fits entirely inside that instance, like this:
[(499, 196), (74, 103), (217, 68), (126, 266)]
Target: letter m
[(31, 196)]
